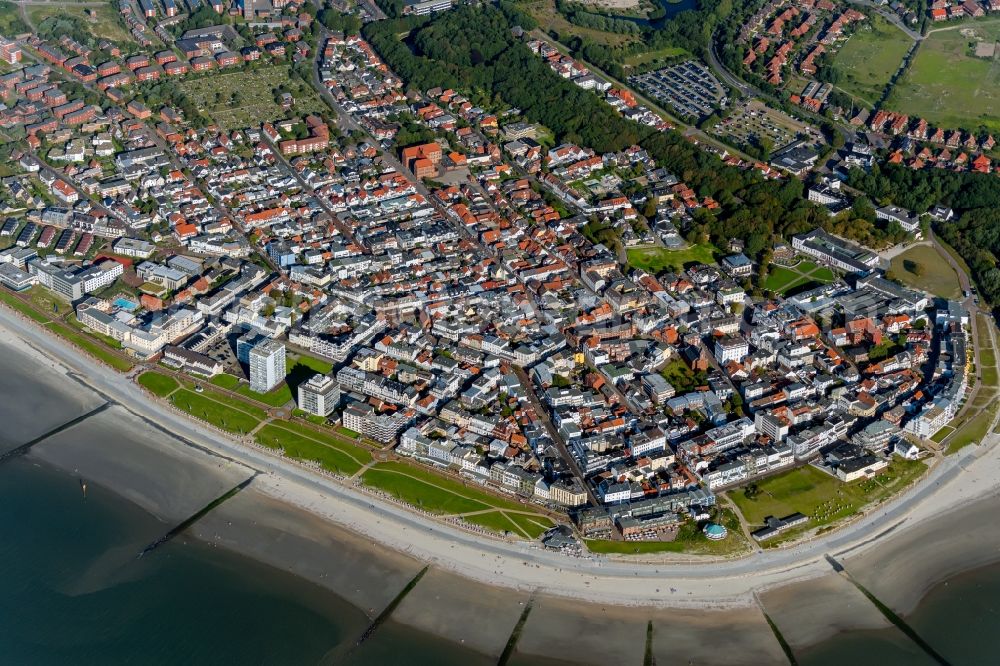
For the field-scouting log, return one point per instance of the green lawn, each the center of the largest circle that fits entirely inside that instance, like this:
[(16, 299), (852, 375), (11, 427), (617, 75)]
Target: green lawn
[(657, 259), (276, 397), (821, 497), (22, 307), (942, 433), (414, 486), (93, 347), (434, 492), (786, 280), (534, 526), (947, 85), (869, 59), (690, 539), (203, 406), (228, 382), (922, 267), (300, 444), (668, 53), (972, 431), (158, 383), (311, 362)]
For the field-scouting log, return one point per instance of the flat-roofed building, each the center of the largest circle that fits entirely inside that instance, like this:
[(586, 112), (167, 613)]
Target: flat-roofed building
[(319, 396)]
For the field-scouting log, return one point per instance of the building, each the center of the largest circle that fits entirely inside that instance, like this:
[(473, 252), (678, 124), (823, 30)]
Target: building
[(424, 7), (835, 252), (133, 247), (319, 396), (730, 349), (267, 365)]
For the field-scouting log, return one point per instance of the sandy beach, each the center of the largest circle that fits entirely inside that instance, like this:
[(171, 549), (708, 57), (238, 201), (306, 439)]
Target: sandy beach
[(161, 474), (366, 550), (52, 399)]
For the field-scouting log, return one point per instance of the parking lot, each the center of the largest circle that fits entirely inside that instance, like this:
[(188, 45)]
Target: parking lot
[(755, 124), (689, 88)]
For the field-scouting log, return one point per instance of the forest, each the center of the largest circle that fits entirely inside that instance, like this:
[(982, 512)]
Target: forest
[(974, 197)]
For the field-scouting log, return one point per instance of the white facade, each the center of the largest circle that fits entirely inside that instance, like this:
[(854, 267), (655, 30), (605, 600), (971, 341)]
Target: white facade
[(267, 366)]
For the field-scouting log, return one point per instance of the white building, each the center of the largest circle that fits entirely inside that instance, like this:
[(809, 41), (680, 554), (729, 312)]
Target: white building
[(319, 395), (267, 365)]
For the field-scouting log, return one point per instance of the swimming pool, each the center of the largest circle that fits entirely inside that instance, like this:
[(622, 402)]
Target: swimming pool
[(125, 304)]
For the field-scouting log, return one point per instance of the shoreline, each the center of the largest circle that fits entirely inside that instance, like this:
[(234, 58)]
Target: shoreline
[(524, 567)]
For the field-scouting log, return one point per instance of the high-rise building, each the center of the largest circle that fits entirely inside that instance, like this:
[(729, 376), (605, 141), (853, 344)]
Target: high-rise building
[(319, 395), (267, 365)]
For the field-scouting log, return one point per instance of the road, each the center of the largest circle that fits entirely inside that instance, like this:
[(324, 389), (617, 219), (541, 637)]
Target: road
[(750, 91), (890, 16), (543, 414)]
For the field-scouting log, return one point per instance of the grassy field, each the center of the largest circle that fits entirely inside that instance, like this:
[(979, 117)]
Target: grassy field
[(689, 539), (657, 259), (973, 431), (218, 410), (95, 348), (213, 94), (651, 59), (22, 307), (276, 397), (544, 11), (869, 59), (104, 20), (438, 494), (821, 497), (922, 267), (947, 85), (301, 444), (158, 383), (786, 280)]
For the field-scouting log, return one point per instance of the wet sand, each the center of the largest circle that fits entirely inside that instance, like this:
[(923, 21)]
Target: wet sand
[(901, 570), (163, 475), (366, 575), (480, 617), (738, 637), (585, 632), (811, 612), (35, 397)]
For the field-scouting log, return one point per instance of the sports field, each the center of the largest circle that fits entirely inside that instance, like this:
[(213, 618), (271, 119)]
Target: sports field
[(948, 85), (869, 59)]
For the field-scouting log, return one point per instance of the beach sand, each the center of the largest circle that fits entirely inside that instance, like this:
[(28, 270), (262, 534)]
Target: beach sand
[(585, 632), (35, 398), (807, 613), (901, 570), (124, 453), (366, 575), (479, 616), (737, 637)]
